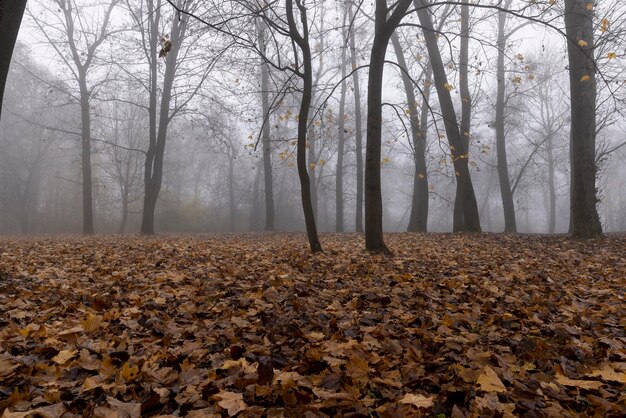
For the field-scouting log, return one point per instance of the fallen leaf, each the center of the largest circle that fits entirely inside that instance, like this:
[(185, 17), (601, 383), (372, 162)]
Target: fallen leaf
[(489, 381), (418, 400), (231, 401), (64, 356)]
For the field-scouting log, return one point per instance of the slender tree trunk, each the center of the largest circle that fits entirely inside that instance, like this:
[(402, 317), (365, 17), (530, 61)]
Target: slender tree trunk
[(551, 186), (579, 25), (155, 156), (418, 220), (312, 167), (510, 225), (357, 128), (256, 205), (341, 127), (471, 221), (85, 118), (125, 192), (232, 205), (11, 12), (303, 116), (267, 151)]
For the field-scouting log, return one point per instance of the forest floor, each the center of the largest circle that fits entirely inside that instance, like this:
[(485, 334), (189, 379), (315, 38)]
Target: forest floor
[(255, 325)]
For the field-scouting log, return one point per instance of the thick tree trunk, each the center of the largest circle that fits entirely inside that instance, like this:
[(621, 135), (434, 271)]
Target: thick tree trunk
[(510, 225), (357, 129), (579, 25), (85, 118), (384, 28), (471, 221), (418, 220), (267, 151), (11, 12)]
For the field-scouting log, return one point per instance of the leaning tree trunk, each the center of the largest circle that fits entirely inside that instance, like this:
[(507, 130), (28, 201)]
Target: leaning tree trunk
[(419, 205), (584, 219), (510, 225), (11, 12), (267, 151), (471, 221)]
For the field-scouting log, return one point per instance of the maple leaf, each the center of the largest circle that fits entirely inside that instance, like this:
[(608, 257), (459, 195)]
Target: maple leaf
[(231, 401)]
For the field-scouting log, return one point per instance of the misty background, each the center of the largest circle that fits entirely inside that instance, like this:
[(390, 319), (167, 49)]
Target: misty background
[(213, 162)]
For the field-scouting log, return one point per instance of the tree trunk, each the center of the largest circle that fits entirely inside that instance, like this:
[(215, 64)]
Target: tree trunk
[(551, 186), (584, 219), (85, 118), (471, 221), (303, 116), (11, 12), (267, 151), (508, 206), (418, 220), (384, 28), (357, 129), (232, 205), (156, 152), (341, 127)]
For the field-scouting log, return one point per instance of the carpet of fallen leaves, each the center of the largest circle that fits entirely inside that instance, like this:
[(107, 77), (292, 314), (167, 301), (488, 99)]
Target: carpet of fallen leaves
[(255, 325)]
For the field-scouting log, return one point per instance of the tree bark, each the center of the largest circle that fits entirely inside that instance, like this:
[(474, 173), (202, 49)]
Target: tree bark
[(357, 129), (85, 118), (307, 93), (584, 219), (341, 127), (510, 225), (418, 221), (384, 28), (155, 156), (471, 221), (11, 12), (267, 151)]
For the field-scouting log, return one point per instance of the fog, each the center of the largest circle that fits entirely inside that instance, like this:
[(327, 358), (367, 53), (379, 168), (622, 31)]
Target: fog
[(202, 101)]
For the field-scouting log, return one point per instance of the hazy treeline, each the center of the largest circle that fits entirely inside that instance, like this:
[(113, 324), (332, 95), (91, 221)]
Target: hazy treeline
[(181, 107)]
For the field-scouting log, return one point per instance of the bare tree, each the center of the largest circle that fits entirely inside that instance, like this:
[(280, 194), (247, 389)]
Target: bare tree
[(471, 221), (83, 35)]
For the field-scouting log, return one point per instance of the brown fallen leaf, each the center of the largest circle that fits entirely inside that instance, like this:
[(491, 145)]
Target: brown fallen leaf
[(50, 411), (231, 401), (607, 372), (64, 356), (489, 381), (418, 400), (580, 384)]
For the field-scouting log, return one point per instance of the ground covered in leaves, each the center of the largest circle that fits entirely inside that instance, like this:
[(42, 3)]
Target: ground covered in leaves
[(254, 325)]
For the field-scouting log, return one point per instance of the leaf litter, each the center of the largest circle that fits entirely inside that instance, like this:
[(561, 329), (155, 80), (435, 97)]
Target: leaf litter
[(254, 325)]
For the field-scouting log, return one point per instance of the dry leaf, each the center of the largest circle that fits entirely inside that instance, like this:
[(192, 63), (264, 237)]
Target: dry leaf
[(64, 356), (418, 400), (231, 401), (489, 381)]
